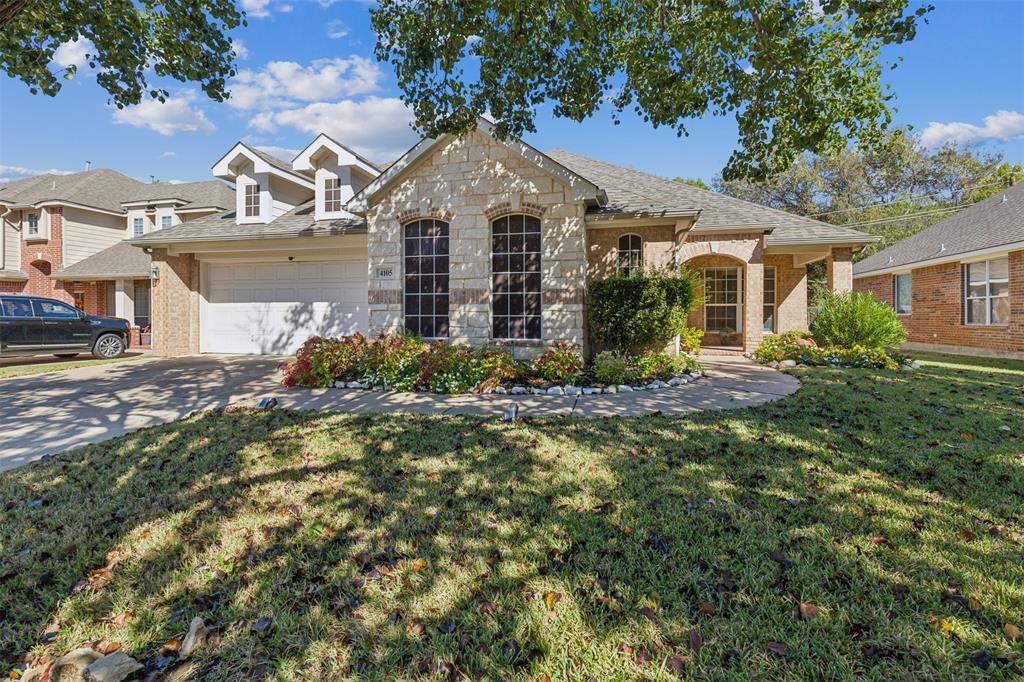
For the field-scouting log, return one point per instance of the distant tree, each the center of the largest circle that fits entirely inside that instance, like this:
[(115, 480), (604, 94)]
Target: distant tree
[(797, 75), (892, 192), (131, 42), (696, 182)]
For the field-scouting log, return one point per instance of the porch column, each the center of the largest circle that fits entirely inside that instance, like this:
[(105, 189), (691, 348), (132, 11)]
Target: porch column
[(753, 306), (839, 269), (124, 300)]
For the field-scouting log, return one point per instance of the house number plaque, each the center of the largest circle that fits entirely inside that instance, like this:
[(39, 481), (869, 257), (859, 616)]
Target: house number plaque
[(385, 273)]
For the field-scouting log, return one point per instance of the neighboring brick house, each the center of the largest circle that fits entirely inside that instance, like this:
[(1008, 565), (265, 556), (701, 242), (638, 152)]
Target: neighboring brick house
[(472, 239), (63, 236), (958, 286)]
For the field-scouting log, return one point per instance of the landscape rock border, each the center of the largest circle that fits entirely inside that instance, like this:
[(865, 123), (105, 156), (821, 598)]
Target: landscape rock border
[(555, 390)]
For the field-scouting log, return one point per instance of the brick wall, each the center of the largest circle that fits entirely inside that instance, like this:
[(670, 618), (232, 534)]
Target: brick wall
[(790, 293), (42, 257), (175, 311), (937, 311), (659, 243), (839, 269), (468, 183)]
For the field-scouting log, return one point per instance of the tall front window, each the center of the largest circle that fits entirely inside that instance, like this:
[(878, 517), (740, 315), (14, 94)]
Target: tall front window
[(32, 224), (631, 254), (142, 302), (137, 227), (987, 292), (769, 299), (332, 195), (426, 278), (902, 290), (515, 273), (722, 309), (252, 200)]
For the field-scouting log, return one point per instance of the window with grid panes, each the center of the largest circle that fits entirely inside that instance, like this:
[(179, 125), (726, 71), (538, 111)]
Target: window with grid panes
[(516, 277), (426, 278)]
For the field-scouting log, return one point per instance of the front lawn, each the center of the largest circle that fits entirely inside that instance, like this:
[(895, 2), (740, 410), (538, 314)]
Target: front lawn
[(869, 526)]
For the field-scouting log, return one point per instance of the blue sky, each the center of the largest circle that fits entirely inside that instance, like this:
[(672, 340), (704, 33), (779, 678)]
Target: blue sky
[(308, 66)]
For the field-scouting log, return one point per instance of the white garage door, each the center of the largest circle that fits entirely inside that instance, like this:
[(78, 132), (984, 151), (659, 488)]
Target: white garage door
[(272, 309)]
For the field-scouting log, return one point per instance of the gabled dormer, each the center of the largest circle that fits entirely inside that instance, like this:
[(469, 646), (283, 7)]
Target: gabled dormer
[(265, 187), (339, 173)]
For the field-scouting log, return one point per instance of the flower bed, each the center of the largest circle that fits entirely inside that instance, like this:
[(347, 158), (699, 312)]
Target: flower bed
[(404, 363), (793, 348)]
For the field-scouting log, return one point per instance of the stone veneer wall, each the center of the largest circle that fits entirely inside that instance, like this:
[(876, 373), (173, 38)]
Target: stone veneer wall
[(469, 183), (175, 310), (937, 311)]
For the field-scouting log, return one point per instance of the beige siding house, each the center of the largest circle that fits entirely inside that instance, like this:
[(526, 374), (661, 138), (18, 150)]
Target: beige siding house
[(472, 239)]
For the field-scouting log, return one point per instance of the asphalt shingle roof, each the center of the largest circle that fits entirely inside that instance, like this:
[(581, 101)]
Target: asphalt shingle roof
[(633, 192), (990, 223), (120, 261), (107, 189), (298, 222)]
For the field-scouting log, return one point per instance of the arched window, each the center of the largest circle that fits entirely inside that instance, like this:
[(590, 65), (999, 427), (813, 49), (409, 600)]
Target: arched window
[(426, 278), (515, 273), (631, 254)]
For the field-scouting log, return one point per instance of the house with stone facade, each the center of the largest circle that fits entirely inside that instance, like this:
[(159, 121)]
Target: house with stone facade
[(473, 239), (63, 236), (958, 286)]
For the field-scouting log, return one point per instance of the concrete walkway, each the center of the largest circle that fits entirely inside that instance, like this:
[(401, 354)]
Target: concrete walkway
[(54, 412)]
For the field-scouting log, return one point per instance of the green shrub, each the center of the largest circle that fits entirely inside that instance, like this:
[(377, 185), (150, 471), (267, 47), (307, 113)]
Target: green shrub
[(447, 368), (630, 314), (563, 364), (394, 360), (612, 367), (321, 361), (853, 318), (785, 346), (690, 339), (661, 366), (496, 366)]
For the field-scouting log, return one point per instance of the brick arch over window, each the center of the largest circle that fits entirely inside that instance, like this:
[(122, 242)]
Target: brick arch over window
[(506, 209), (413, 214), (740, 250)]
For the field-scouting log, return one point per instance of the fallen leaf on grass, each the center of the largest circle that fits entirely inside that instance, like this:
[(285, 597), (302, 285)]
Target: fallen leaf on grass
[(447, 628), (678, 664), (419, 565), (696, 641), (966, 536), (706, 608), (780, 648), (899, 591), (809, 611), (550, 599), (262, 625), (487, 608), (648, 613), (1013, 632), (105, 646)]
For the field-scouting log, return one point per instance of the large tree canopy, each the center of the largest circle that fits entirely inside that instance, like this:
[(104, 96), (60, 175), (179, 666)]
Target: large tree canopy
[(892, 192), (798, 75), (182, 39)]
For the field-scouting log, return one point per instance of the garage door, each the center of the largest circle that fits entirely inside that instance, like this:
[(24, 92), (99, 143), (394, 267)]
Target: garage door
[(272, 309)]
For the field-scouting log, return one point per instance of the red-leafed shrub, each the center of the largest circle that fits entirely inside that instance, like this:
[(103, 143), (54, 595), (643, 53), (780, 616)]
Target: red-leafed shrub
[(321, 361), (562, 364)]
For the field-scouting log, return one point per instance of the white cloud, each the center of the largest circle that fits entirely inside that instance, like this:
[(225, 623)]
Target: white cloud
[(177, 115), (284, 153), (336, 29), (277, 83), (10, 173), (239, 48), (1001, 126), (256, 8), (74, 53), (285, 9), (377, 127), (169, 154)]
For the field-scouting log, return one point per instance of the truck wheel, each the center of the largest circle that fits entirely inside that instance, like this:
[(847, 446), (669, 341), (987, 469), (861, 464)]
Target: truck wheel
[(108, 347)]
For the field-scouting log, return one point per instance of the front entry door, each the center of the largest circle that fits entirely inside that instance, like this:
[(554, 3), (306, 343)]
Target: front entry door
[(63, 326)]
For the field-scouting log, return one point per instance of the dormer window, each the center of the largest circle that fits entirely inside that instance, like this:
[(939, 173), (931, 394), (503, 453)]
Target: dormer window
[(32, 224), (252, 200), (138, 227), (332, 195)]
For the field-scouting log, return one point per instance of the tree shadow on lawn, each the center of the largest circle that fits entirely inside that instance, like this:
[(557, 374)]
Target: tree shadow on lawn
[(394, 547)]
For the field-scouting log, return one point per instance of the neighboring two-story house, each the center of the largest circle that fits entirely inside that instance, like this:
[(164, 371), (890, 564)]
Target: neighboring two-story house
[(958, 286), (472, 239), (64, 236)]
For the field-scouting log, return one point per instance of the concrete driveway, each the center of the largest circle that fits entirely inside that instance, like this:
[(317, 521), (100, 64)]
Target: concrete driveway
[(50, 413)]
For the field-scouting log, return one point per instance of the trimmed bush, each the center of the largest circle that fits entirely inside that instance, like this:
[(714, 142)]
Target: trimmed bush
[(690, 339), (394, 360), (853, 318), (636, 313), (785, 346), (562, 364), (496, 366), (612, 367), (660, 366), (322, 361)]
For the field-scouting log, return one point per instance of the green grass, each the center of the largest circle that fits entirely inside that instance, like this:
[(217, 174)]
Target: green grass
[(8, 371), (891, 502)]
